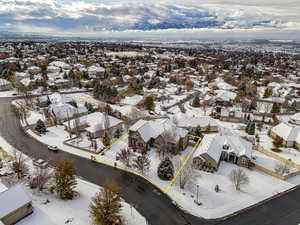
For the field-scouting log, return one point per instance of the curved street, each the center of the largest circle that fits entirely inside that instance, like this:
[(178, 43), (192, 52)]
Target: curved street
[(157, 208)]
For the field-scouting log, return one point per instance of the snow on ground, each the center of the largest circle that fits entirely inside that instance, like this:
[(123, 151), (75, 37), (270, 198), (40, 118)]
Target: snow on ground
[(228, 200), (81, 98), (110, 157), (57, 211), (56, 136), (288, 153), (10, 93), (84, 142), (34, 117), (266, 161)]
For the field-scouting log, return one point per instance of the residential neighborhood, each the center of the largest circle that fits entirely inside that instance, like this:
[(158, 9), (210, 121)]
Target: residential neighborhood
[(217, 131)]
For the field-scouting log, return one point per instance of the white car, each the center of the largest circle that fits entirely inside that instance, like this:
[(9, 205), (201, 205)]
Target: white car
[(53, 148), (40, 163)]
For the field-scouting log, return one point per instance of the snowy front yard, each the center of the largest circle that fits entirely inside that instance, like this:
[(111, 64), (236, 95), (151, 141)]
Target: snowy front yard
[(288, 153), (110, 158), (73, 212), (56, 136), (228, 200)]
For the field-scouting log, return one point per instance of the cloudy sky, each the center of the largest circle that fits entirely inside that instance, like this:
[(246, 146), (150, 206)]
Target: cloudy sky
[(182, 19)]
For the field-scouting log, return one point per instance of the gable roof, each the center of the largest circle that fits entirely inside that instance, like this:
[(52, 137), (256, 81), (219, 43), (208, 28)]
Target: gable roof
[(14, 198), (96, 121), (286, 131), (212, 144), (154, 128)]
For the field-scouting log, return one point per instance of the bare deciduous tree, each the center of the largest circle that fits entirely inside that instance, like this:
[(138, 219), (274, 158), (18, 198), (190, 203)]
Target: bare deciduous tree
[(40, 178), (238, 177), (133, 116), (164, 147), (282, 168), (142, 163), (19, 166), (125, 156), (187, 174)]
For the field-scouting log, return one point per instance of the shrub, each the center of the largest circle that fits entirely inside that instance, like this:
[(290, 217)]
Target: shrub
[(165, 170)]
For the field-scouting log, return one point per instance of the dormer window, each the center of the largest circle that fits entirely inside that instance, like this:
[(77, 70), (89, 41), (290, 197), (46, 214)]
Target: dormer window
[(225, 147)]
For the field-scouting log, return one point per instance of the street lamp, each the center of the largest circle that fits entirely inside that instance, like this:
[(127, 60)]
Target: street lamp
[(197, 200)]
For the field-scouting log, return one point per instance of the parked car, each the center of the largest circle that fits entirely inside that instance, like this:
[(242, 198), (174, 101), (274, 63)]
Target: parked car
[(40, 163), (52, 148)]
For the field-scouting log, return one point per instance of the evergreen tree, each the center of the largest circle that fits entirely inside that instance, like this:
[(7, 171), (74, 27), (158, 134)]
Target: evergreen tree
[(197, 132), (149, 103), (65, 180), (196, 101), (40, 127), (106, 206), (276, 108), (251, 130), (165, 170)]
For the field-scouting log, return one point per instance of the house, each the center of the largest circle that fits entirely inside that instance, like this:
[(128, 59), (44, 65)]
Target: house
[(216, 147), (224, 98), (233, 114), (96, 71), (146, 134), (64, 111), (290, 134), (15, 205), (206, 123), (5, 85), (295, 119), (94, 124)]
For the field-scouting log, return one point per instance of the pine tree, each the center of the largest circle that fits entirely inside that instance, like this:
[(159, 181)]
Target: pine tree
[(65, 180), (276, 108), (197, 132), (196, 101), (251, 130), (149, 103), (165, 170), (40, 127), (106, 206)]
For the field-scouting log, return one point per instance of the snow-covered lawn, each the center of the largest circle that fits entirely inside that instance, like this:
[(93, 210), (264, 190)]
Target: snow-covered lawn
[(56, 136), (34, 116), (10, 93), (57, 211), (267, 162), (288, 153), (84, 142), (228, 200), (110, 158)]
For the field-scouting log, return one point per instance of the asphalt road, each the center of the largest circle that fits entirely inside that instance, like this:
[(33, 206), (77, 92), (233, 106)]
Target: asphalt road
[(157, 208)]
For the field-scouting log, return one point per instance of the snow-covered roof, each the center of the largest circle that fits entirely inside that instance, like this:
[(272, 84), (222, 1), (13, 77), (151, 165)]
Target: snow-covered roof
[(96, 69), (225, 95), (64, 110), (154, 128), (2, 188), (287, 131), (96, 121), (202, 121), (295, 117), (133, 100), (56, 98), (212, 145), (60, 64), (13, 198), (4, 82)]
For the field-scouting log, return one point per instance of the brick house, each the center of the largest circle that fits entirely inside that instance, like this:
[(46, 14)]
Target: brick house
[(214, 148), (146, 134)]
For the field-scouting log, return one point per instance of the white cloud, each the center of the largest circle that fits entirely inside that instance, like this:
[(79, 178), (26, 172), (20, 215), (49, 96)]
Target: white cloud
[(165, 16)]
